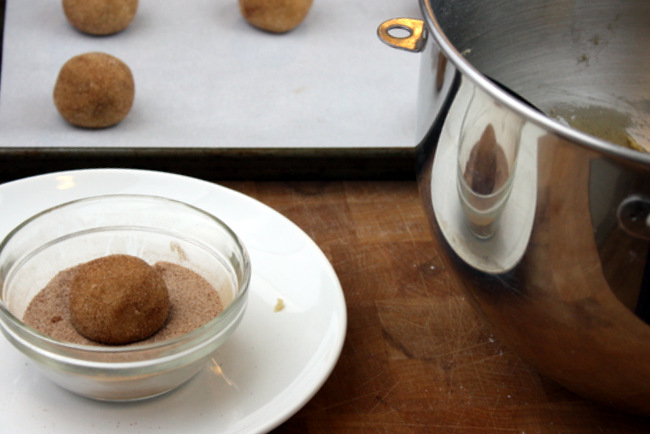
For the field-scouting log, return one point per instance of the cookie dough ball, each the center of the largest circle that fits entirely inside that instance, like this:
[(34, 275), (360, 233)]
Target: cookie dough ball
[(94, 90), (277, 16), (117, 299), (100, 17)]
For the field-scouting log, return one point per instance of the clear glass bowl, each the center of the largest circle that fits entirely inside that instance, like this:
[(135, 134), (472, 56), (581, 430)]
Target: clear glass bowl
[(149, 227)]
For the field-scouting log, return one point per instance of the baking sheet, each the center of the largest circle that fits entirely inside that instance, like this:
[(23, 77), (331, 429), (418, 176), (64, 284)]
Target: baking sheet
[(205, 78)]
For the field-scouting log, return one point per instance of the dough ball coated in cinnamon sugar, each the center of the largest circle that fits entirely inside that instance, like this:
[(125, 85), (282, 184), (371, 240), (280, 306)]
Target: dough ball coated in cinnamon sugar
[(100, 17), (117, 299), (94, 90), (276, 16)]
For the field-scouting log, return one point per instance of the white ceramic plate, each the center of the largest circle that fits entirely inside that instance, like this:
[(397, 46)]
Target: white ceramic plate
[(272, 365)]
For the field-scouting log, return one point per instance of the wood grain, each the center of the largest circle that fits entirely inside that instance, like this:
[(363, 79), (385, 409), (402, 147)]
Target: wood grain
[(416, 358)]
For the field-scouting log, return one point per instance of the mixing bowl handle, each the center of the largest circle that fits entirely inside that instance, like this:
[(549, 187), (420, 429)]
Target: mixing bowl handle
[(414, 39)]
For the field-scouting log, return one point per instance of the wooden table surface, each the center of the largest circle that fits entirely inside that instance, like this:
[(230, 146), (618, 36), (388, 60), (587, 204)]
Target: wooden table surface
[(416, 357)]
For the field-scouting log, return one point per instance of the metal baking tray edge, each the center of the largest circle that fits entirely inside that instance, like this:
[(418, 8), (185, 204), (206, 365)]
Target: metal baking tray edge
[(216, 164)]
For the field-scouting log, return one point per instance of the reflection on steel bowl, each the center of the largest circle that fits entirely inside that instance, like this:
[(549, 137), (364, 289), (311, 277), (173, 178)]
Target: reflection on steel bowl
[(563, 275)]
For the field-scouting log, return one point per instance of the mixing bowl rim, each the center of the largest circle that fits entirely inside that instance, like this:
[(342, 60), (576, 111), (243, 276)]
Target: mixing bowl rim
[(526, 112)]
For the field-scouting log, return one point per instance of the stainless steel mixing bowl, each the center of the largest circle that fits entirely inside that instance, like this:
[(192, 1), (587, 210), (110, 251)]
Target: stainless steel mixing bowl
[(534, 120)]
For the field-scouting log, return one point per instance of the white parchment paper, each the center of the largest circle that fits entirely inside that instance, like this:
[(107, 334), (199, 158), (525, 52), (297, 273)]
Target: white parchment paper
[(205, 78)]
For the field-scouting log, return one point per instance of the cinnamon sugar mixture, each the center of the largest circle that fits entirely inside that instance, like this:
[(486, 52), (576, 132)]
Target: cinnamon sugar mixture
[(194, 302)]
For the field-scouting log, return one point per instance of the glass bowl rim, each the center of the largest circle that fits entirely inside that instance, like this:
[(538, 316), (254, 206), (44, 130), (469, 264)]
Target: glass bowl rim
[(174, 343)]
